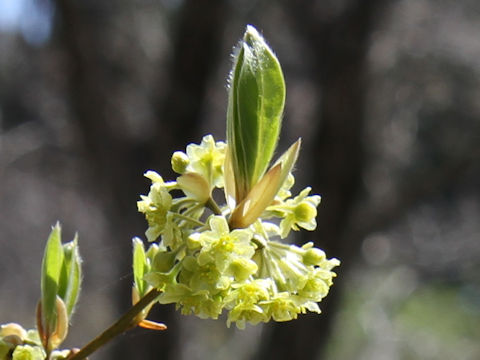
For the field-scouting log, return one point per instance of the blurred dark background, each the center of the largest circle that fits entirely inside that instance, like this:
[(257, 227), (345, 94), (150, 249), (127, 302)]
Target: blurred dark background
[(385, 94)]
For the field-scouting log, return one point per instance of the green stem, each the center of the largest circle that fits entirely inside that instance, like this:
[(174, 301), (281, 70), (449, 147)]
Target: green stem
[(212, 205), (188, 218), (126, 322)]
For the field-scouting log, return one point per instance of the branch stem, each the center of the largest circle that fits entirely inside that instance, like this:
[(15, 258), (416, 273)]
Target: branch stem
[(212, 205), (188, 218), (125, 323)]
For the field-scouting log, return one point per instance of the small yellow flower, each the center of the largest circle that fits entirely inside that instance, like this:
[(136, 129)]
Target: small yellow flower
[(155, 205)]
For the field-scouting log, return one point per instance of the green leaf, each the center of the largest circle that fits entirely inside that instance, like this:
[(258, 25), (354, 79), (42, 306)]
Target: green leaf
[(71, 275), (255, 108), (140, 266), (51, 270)]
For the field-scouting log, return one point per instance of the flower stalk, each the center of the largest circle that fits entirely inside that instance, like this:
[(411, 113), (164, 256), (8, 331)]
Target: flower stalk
[(126, 322)]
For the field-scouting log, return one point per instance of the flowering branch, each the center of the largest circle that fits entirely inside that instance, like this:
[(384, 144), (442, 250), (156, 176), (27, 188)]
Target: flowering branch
[(236, 261), (207, 258)]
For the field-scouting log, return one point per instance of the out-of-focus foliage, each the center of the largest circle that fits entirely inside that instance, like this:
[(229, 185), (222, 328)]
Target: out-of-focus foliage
[(413, 319)]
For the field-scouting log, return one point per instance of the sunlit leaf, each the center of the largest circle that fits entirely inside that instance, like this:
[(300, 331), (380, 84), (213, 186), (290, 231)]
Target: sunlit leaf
[(140, 266), (71, 276), (51, 269), (255, 107)]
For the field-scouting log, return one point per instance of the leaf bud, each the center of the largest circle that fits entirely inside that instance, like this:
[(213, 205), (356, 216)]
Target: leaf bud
[(255, 108)]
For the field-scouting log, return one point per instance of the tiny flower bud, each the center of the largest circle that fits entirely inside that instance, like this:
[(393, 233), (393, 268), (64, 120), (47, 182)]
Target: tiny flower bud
[(304, 212), (313, 256), (242, 268), (180, 162), (28, 352), (12, 340), (12, 329)]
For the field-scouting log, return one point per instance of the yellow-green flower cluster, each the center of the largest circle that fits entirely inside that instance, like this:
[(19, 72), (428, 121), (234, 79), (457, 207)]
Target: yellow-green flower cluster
[(16, 343), (206, 266)]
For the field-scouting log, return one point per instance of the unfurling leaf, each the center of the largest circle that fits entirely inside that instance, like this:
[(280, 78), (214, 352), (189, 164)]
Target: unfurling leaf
[(60, 287), (51, 270), (263, 192), (140, 267), (255, 107), (257, 199), (71, 276)]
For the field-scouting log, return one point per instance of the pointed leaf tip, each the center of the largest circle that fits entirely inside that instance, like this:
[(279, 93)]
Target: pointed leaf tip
[(288, 160), (255, 108), (69, 289), (140, 266), (261, 196), (50, 276)]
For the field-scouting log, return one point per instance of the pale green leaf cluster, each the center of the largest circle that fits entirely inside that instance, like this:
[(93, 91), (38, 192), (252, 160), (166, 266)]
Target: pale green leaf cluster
[(61, 279), (207, 267)]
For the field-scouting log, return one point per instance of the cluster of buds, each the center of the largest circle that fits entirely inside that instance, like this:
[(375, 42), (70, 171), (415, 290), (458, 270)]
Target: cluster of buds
[(209, 258), (17, 343)]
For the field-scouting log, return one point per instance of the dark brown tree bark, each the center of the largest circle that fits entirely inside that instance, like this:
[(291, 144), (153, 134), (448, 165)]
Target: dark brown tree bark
[(196, 50), (117, 166), (339, 44)]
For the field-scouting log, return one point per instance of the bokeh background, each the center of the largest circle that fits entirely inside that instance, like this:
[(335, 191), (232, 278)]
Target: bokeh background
[(385, 94)]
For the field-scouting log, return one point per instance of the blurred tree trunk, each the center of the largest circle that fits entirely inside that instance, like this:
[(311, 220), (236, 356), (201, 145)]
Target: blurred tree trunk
[(340, 44), (198, 41), (196, 50), (117, 165)]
